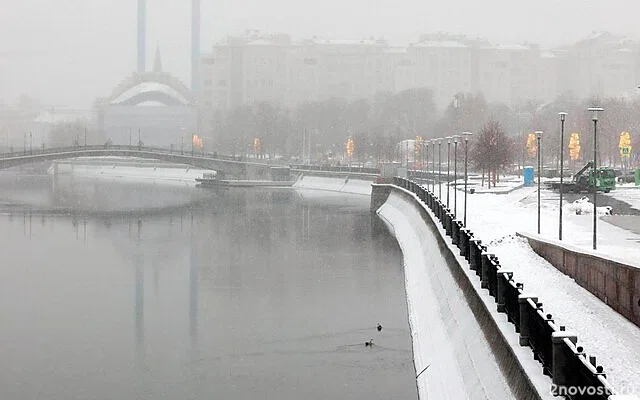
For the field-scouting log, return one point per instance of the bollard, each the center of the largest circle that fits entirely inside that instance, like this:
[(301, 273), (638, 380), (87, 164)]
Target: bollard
[(463, 244), (559, 360), (492, 276), (443, 218), (484, 277), (474, 250), (447, 225), (501, 292), (455, 232), (481, 249), (525, 311), (461, 240), (467, 251)]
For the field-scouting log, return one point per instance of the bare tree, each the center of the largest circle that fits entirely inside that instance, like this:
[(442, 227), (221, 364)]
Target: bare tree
[(492, 150)]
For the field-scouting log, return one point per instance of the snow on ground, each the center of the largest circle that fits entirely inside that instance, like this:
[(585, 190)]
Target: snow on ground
[(629, 193), (492, 217), (335, 184), (495, 216), (603, 332), (452, 357)]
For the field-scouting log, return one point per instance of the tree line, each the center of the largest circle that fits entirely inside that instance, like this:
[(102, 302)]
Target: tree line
[(321, 129)]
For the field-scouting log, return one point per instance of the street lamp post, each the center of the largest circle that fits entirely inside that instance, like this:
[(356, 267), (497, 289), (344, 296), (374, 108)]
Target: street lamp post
[(466, 154), (455, 176), (594, 118), (425, 175), (422, 146), (406, 154), (539, 138), (433, 181), (448, 166), (563, 116), (439, 168), (30, 143)]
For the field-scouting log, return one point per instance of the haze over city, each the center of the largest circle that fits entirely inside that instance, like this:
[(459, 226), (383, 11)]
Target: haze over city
[(69, 55)]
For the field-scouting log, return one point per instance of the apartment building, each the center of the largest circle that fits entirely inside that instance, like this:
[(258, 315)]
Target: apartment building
[(442, 63), (255, 67), (603, 65)]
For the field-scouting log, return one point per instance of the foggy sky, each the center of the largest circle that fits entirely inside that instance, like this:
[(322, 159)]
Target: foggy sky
[(67, 53)]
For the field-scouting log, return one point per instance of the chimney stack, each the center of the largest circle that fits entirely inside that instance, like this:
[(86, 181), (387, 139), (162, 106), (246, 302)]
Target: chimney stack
[(195, 46), (142, 28)]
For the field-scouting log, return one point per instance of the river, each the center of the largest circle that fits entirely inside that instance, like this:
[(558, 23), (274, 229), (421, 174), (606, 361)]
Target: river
[(196, 294)]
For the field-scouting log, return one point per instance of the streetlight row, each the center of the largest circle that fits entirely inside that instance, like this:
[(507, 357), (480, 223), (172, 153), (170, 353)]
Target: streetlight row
[(563, 116), (456, 140)]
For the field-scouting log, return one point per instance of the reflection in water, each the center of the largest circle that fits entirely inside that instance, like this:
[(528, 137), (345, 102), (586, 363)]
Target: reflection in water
[(139, 309), (193, 290), (254, 293)]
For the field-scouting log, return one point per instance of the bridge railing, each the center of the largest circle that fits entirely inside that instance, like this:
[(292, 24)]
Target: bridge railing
[(576, 375), (132, 148), (342, 168)]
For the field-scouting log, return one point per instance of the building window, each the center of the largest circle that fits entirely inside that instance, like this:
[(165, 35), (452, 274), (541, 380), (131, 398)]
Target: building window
[(222, 83), (310, 61)]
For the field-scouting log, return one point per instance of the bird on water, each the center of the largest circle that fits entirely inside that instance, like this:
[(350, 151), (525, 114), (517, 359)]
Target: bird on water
[(379, 327), (369, 343)]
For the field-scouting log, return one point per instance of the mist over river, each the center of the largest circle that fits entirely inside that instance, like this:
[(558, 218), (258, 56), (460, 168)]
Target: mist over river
[(138, 290)]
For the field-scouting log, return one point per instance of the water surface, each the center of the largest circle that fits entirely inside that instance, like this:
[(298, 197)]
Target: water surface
[(236, 294)]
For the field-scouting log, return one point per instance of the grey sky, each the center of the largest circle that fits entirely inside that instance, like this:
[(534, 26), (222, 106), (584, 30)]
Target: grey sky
[(70, 52)]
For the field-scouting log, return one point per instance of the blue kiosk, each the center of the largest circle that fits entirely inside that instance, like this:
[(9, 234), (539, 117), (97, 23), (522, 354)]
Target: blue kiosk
[(528, 175)]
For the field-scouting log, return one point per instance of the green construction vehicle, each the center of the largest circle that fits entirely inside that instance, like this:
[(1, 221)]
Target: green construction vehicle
[(583, 180)]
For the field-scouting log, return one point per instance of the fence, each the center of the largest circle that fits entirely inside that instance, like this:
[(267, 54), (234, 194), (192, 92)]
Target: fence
[(36, 151), (554, 348), (342, 168)]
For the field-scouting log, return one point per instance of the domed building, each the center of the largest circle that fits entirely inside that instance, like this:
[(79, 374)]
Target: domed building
[(151, 106)]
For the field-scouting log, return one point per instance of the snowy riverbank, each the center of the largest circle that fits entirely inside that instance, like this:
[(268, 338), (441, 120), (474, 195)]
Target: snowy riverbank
[(452, 355)]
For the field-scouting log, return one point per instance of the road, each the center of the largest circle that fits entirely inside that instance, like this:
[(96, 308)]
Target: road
[(624, 215)]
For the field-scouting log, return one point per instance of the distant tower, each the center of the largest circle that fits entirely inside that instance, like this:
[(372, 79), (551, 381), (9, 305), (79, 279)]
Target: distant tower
[(157, 62), (142, 27), (195, 46)]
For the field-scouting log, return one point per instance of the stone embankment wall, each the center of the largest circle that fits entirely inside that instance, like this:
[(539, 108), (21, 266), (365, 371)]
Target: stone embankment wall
[(614, 282)]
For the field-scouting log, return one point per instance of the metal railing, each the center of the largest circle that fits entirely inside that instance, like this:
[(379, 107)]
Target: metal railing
[(106, 148), (341, 168), (553, 347)]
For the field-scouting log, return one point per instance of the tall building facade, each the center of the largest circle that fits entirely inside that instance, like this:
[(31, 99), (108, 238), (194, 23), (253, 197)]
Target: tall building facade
[(254, 67)]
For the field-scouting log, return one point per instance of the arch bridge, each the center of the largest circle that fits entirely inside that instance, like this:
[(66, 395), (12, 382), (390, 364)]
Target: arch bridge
[(228, 166)]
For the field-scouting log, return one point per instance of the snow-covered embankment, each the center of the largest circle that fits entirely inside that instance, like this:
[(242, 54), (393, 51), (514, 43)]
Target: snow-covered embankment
[(337, 191), (450, 321), (339, 184)]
